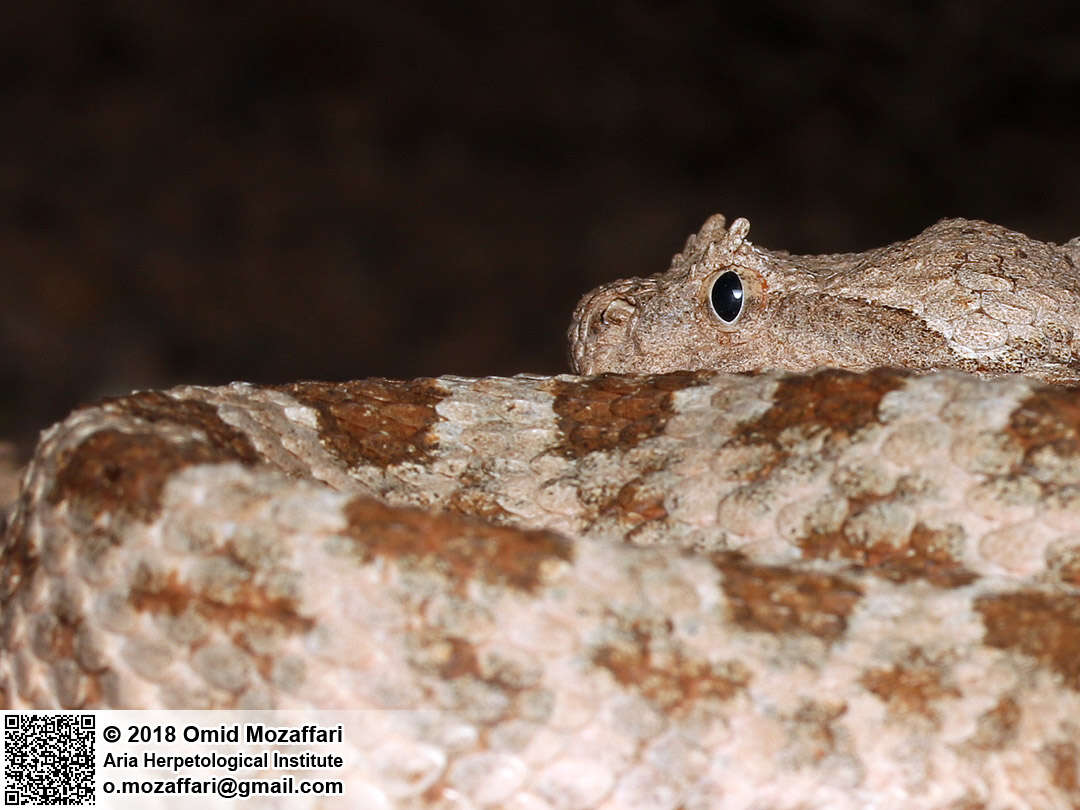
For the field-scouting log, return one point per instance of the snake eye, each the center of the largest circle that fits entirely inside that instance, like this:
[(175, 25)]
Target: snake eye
[(726, 296)]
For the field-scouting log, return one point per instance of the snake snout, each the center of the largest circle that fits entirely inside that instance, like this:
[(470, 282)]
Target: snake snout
[(602, 319)]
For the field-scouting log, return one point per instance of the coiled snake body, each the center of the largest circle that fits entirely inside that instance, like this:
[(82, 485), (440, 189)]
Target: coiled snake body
[(660, 588)]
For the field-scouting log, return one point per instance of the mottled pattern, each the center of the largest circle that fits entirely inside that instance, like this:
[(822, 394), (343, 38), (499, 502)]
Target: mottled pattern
[(648, 588), (672, 591)]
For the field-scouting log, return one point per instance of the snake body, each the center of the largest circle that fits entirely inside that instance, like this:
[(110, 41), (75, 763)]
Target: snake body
[(689, 589)]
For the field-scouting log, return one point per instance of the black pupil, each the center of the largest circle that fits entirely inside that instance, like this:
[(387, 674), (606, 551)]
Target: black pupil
[(727, 296)]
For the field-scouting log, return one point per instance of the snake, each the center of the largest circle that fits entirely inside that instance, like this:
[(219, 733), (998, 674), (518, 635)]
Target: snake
[(798, 532)]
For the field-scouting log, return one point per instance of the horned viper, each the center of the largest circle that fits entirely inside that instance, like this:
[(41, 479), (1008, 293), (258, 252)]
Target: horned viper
[(672, 586)]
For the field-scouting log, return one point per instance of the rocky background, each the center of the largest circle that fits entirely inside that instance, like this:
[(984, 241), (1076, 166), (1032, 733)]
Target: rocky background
[(335, 189)]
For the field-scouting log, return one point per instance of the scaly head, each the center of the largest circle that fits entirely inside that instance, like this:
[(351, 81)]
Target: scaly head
[(962, 294)]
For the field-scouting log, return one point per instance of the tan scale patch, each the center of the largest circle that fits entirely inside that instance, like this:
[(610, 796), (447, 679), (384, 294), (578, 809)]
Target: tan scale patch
[(1044, 625), (52, 639), (780, 600), (1063, 762), (460, 548), (1063, 562), (912, 687), (474, 496), (813, 734), (646, 660), (615, 411), (484, 685), (376, 421), (251, 615), (997, 727)]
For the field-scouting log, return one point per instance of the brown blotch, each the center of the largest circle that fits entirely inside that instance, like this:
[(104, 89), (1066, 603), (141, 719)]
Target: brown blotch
[(781, 600), (998, 726), (811, 733), (52, 638), (912, 687), (1048, 418), (476, 675), (1042, 624), (114, 471), (634, 504), (1063, 564), (459, 659), (18, 559), (926, 554), (478, 504), (454, 658), (668, 679), (460, 548), (157, 406), (839, 402), (157, 593), (377, 421), (615, 411), (1060, 759)]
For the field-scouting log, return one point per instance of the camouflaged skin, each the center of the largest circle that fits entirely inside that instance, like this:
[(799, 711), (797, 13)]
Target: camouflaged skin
[(963, 294), (688, 590)]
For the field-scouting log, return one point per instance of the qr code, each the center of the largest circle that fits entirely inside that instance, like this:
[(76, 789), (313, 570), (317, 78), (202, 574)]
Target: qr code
[(49, 759)]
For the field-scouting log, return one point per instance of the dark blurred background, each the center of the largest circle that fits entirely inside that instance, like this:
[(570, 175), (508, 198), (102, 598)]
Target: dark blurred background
[(334, 189)]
